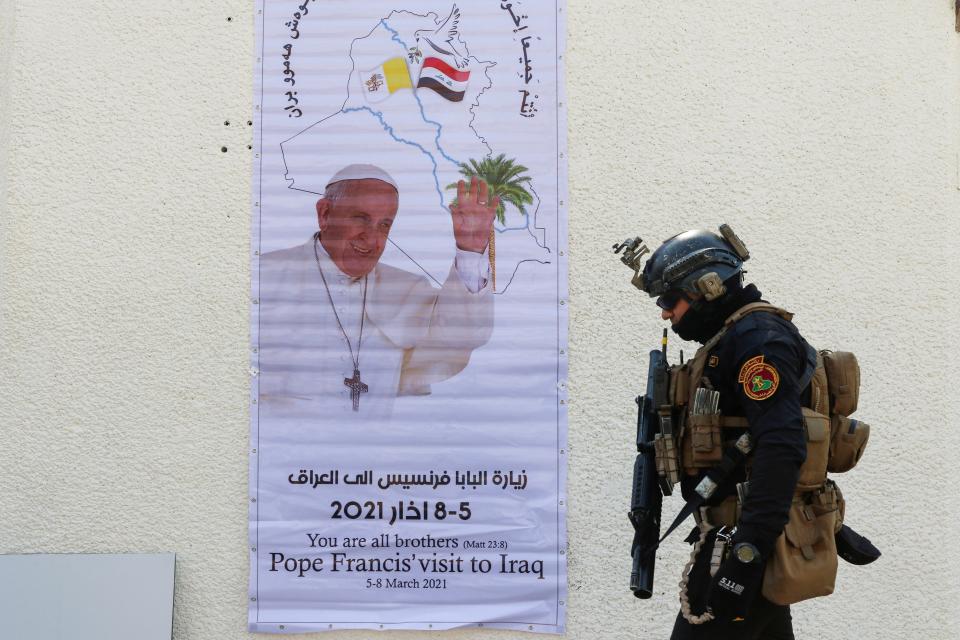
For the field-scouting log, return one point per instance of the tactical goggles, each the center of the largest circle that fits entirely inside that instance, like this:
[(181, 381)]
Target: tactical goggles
[(670, 299)]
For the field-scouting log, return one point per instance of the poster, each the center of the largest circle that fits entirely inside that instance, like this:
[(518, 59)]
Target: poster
[(408, 317)]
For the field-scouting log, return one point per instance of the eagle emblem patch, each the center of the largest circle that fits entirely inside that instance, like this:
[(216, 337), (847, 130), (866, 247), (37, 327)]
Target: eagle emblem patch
[(759, 379)]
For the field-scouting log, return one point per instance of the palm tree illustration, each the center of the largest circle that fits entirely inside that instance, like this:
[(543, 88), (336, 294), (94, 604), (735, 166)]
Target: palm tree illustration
[(506, 179)]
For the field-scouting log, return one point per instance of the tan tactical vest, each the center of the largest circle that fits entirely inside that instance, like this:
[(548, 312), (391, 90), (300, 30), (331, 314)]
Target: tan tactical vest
[(804, 563)]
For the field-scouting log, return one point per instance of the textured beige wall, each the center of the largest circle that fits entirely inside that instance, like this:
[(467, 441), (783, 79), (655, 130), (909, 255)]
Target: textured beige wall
[(826, 132)]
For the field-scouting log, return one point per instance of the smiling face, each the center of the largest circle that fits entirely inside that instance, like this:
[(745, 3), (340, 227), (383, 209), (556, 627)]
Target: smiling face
[(355, 217)]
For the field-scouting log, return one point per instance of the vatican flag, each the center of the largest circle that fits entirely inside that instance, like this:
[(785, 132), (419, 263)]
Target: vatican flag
[(379, 83)]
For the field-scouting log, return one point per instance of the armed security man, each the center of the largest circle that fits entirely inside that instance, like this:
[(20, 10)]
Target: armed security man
[(741, 443)]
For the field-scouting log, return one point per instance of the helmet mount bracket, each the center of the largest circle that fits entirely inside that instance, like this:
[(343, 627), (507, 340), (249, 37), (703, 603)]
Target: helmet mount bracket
[(711, 286), (633, 251)]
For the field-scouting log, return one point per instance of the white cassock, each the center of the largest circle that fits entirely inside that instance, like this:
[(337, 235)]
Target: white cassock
[(413, 334)]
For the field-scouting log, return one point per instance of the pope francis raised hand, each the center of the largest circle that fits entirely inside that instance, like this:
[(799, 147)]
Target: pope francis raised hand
[(342, 334)]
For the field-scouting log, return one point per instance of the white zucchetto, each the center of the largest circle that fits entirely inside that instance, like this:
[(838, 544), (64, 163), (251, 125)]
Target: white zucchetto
[(362, 172)]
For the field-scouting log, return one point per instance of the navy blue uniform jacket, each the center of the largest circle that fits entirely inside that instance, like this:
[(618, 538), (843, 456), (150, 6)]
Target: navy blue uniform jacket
[(776, 421)]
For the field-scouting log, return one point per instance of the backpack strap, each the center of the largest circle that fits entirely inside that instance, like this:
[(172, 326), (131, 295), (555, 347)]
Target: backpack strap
[(747, 309)]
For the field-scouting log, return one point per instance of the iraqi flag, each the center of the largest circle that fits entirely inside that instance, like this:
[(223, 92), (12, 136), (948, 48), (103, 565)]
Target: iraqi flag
[(438, 75), (378, 84)]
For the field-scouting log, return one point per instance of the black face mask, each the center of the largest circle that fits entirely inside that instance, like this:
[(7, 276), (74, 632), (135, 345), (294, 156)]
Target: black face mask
[(703, 323), (696, 325)]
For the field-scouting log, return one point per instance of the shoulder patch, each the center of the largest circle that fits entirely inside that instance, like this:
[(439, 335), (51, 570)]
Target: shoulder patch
[(759, 379)]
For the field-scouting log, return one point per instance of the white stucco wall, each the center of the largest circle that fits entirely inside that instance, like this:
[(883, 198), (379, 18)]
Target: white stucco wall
[(826, 132)]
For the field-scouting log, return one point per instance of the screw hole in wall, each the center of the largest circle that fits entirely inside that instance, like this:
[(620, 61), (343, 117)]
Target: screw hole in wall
[(223, 149)]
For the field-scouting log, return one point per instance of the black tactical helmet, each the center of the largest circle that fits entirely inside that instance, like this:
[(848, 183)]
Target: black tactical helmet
[(694, 262)]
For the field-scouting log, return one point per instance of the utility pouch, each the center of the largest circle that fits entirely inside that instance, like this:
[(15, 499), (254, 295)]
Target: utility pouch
[(813, 472), (665, 453), (705, 442), (843, 381), (679, 385), (848, 439), (804, 560)]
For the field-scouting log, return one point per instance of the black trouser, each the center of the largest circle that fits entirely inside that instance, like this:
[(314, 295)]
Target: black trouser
[(766, 621)]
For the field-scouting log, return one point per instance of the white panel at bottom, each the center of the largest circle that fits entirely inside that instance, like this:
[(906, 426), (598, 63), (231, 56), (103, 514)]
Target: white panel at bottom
[(87, 596)]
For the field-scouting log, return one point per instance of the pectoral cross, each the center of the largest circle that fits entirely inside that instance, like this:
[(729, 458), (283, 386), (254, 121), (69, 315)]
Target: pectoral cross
[(356, 388)]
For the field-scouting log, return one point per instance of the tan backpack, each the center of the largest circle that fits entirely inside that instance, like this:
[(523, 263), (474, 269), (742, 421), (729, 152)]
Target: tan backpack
[(804, 560)]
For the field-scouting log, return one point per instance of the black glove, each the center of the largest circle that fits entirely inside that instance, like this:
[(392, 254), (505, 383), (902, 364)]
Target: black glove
[(736, 583)]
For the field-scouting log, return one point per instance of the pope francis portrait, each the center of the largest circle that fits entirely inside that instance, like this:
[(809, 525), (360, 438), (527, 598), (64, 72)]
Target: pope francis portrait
[(342, 335)]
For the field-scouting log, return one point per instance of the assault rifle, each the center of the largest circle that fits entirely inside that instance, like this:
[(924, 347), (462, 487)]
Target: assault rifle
[(646, 497)]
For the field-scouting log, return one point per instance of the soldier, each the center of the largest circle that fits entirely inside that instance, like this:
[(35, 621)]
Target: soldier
[(761, 367)]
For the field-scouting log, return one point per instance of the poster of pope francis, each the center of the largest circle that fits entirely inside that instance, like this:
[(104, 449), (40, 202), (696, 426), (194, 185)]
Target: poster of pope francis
[(408, 317)]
